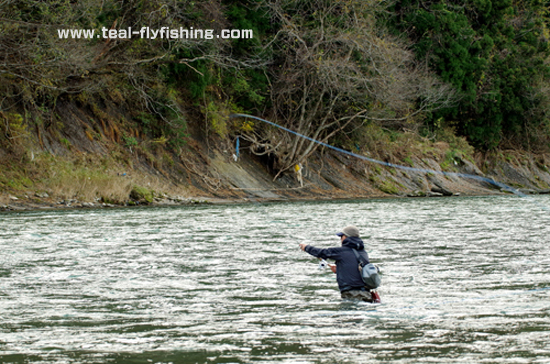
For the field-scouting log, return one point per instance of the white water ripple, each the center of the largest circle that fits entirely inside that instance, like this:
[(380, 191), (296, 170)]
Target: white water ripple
[(464, 280)]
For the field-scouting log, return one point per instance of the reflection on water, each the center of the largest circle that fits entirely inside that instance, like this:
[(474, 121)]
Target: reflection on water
[(464, 280)]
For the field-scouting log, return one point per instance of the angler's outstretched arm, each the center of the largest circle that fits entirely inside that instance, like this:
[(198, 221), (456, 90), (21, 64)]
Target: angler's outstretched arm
[(320, 253), (329, 253)]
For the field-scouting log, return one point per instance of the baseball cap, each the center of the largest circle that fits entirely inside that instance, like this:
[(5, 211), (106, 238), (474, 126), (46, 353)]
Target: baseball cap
[(350, 231)]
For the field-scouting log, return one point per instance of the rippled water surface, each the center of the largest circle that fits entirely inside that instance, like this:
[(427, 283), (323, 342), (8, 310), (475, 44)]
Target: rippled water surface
[(464, 280)]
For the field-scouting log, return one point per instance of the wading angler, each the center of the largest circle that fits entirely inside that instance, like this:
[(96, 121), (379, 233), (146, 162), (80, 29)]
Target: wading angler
[(357, 278)]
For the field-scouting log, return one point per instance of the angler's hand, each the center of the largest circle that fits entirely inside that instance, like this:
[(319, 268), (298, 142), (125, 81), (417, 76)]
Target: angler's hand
[(303, 246), (332, 267)]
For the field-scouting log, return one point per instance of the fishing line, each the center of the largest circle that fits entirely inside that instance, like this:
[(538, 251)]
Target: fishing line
[(397, 166)]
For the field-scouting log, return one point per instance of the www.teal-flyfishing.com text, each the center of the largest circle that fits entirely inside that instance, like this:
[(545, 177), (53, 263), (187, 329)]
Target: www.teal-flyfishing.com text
[(151, 33)]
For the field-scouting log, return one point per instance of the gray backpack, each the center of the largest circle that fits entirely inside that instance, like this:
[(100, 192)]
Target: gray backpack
[(369, 272)]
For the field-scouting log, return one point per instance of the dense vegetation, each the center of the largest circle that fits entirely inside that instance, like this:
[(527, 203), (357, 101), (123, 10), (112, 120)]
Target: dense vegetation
[(495, 53), (338, 71)]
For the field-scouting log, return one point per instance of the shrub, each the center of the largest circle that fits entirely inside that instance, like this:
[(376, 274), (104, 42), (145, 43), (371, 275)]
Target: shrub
[(141, 194)]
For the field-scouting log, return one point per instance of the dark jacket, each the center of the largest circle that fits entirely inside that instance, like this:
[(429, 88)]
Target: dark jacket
[(347, 274)]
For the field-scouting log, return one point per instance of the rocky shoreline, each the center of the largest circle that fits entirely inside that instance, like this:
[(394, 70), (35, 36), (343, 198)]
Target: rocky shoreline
[(47, 203), (326, 177)]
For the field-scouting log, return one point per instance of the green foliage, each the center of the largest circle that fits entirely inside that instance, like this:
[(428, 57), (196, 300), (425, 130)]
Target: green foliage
[(14, 133), (217, 117), (168, 123), (14, 127), (254, 17), (129, 141), (141, 194), (493, 52), (385, 185), (451, 161), (178, 134), (16, 180), (389, 187), (247, 89), (147, 122), (66, 143), (206, 81), (408, 160), (195, 76)]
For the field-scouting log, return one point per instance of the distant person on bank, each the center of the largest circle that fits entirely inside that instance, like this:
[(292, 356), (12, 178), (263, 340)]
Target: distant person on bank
[(348, 276)]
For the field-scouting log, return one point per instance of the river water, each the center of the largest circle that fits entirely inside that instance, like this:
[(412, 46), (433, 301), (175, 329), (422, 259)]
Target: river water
[(464, 280)]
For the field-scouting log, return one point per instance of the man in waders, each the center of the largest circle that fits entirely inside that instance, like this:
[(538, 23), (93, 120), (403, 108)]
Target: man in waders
[(347, 273)]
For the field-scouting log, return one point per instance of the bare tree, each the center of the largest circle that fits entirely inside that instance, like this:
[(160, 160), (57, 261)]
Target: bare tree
[(38, 65), (335, 68)]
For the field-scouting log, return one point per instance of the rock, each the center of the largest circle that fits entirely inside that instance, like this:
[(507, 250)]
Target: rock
[(42, 195), (13, 198), (417, 193), (67, 203), (434, 194), (442, 191), (470, 168), (528, 191)]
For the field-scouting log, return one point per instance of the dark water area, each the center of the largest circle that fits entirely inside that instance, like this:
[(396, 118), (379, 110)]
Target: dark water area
[(464, 280)]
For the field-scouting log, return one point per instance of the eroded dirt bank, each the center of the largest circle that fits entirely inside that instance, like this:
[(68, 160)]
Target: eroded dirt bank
[(214, 176), (87, 161)]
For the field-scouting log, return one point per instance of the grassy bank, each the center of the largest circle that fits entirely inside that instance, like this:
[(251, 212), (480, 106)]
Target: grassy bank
[(84, 178)]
